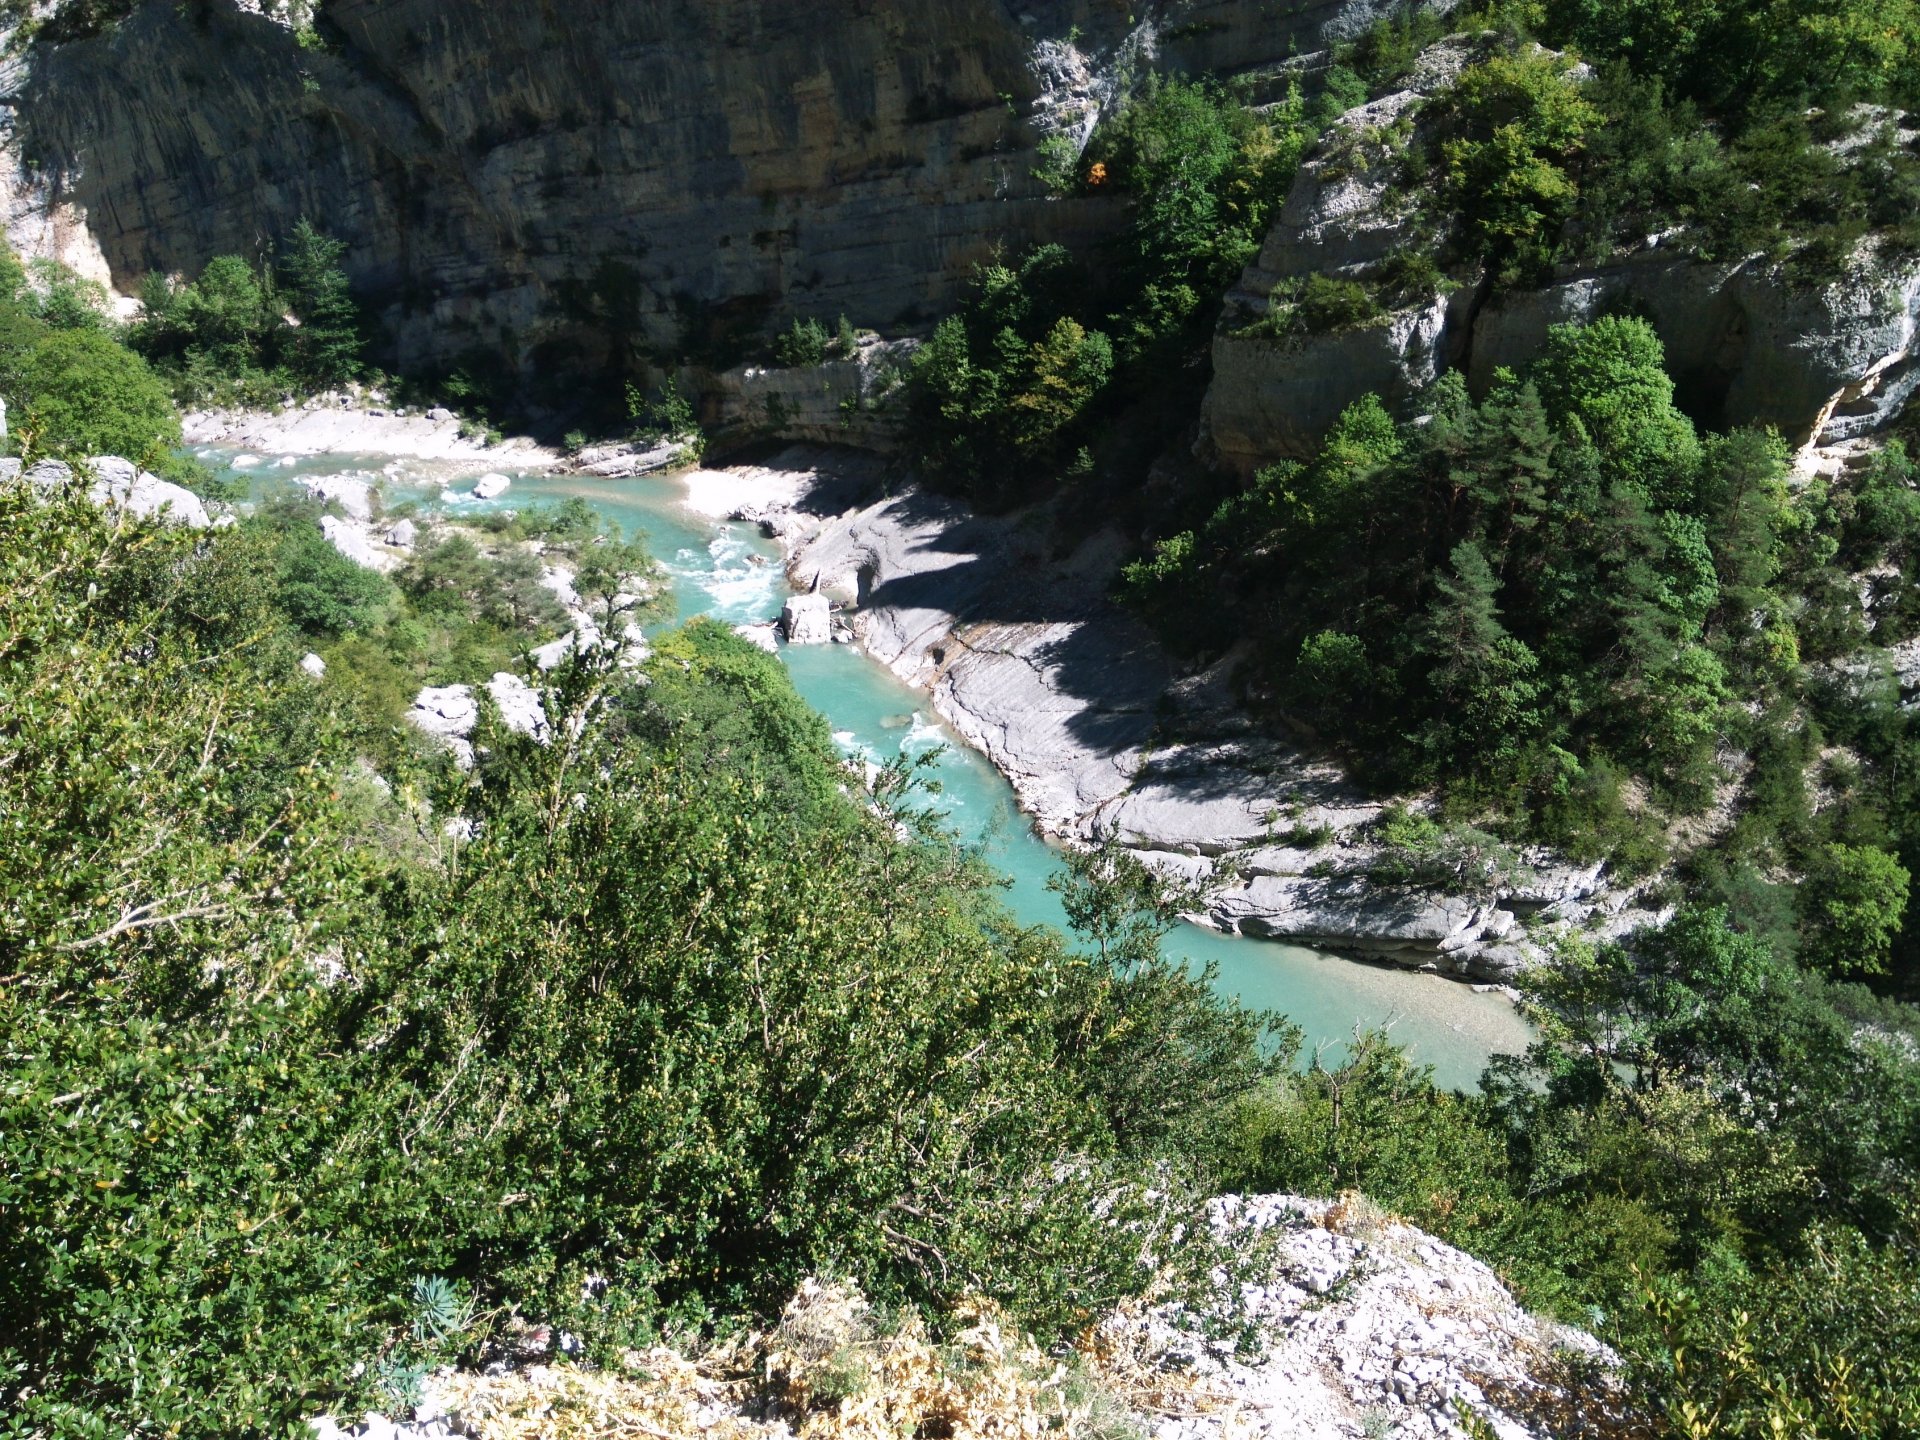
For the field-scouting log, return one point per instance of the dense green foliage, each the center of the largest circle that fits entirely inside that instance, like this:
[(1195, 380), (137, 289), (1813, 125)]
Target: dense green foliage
[(1709, 1157), (71, 389), (1006, 395), (467, 603), (1566, 606), (1742, 126), (295, 1083), (251, 334)]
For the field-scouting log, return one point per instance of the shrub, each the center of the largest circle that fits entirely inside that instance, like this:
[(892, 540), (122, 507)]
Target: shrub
[(803, 344), (1853, 902), (78, 392), (1509, 127), (301, 1092)]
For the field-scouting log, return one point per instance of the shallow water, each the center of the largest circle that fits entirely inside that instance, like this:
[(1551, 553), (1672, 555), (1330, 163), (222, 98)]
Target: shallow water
[(731, 572)]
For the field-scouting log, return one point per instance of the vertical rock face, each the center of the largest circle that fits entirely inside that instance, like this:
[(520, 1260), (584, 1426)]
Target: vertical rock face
[(554, 183), (571, 188)]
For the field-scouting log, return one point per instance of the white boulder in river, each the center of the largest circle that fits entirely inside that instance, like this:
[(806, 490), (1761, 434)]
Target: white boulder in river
[(489, 486), (355, 497), (807, 620)]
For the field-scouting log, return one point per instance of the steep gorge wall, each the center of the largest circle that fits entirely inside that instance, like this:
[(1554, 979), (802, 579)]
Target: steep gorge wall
[(571, 188)]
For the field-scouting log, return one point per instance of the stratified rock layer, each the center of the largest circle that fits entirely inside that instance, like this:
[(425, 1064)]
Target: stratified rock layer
[(570, 188)]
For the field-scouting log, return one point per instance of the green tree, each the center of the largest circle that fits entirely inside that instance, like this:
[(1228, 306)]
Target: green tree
[(1511, 126), (78, 392), (1853, 901), (325, 347), (225, 313), (1065, 371), (1610, 378), (1482, 678)]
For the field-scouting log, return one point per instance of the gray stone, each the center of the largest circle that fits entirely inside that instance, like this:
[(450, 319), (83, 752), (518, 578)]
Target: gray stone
[(519, 705), (352, 540), (760, 636), (807, 620), (405, 535), (439, 414), (549, 655), (354, 497), (120, 484), (447, 713), (489, 487), (313, 665), (49, 474), (625, 460), (9, 468)]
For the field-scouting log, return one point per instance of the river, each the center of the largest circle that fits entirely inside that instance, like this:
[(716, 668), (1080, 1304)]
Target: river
[(731, 572)]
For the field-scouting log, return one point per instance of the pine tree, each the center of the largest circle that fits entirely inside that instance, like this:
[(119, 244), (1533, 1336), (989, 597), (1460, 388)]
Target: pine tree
[(1482, 677), (325, 349)]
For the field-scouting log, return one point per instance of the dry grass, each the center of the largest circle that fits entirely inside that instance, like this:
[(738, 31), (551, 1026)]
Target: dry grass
[(835, 1369)]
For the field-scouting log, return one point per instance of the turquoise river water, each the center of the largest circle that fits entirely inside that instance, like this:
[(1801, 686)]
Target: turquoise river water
[(731, 572)]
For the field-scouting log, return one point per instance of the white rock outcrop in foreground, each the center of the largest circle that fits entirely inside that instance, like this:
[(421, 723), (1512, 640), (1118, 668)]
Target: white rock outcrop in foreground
[(117, 484), (1373, 1327), (1362, 1327)]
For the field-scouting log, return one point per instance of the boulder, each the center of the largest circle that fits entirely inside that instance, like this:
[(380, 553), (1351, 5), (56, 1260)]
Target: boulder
[(353, 541), (547, 656), (313, 665), (45, 475), (9, 468), (404, 535), (627, 459), (519, 705), (761, 636), (487, 487), (121, 484), (355, 497), (439, 414), (807, 620), (447, 713)]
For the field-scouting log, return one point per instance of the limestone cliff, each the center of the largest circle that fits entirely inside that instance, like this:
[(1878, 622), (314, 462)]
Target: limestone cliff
[(568, 190)]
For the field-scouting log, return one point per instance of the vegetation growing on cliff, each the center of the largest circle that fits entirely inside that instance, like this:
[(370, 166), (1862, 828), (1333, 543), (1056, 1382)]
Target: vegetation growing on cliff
[(1572, 611), (1742, 129), (1006, 394), (247, 333)]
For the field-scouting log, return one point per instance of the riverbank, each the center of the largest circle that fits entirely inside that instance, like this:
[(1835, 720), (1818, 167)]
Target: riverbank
[(1014, 638), (318, 427)]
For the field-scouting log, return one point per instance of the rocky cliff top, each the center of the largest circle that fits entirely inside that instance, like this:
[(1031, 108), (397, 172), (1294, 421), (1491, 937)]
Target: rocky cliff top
[(1358, 1326)]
